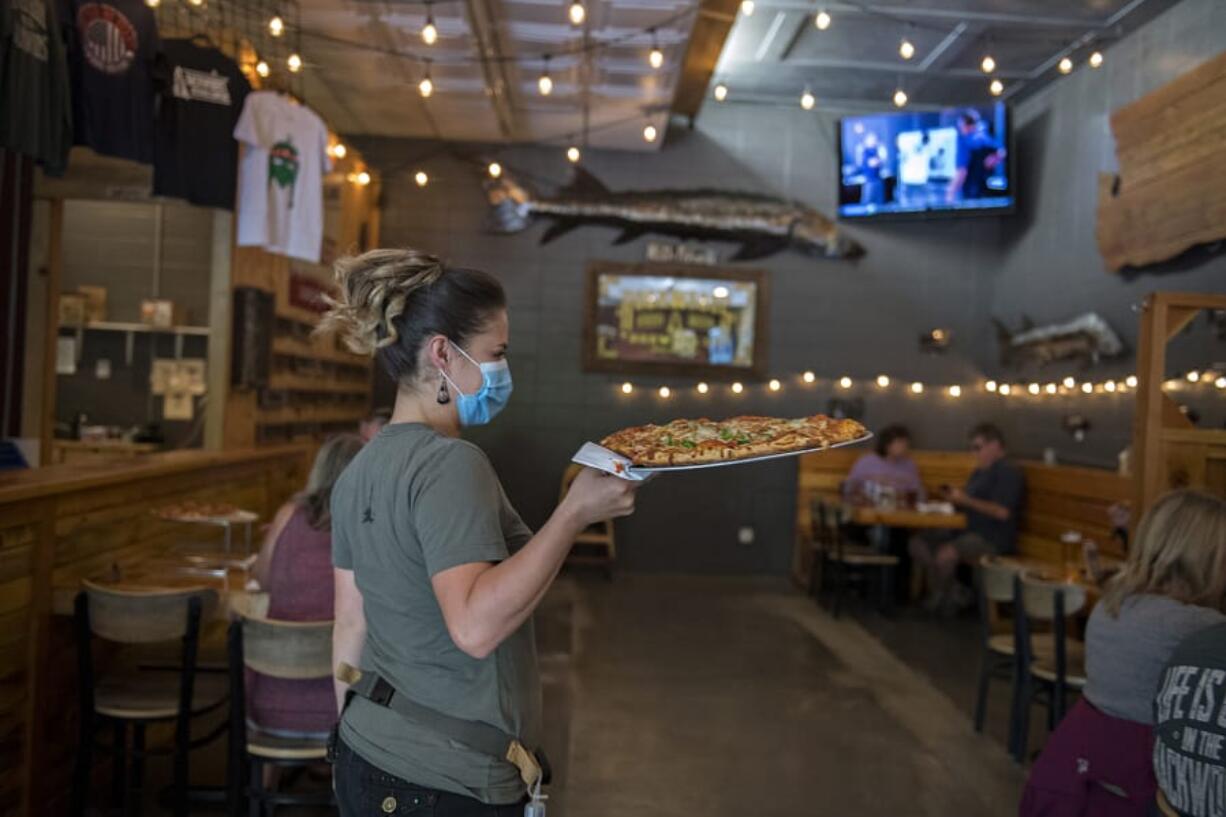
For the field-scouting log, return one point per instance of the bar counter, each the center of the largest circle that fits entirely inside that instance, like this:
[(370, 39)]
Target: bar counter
[(61, 523)]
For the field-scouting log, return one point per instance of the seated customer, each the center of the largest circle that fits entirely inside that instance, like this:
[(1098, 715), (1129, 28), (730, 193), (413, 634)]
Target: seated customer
[(992, 501), (890, 465), (1174, 583), (295, 569), (1191, 700)]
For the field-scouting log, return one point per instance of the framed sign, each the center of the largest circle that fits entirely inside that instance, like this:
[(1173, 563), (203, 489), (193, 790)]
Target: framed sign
[(673, 319)]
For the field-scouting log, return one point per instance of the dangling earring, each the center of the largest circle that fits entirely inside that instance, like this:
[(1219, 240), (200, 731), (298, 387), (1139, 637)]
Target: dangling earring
[(444, 397)]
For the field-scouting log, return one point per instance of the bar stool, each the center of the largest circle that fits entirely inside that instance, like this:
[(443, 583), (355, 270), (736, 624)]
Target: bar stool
[(598, 547), (850, 564), (296, 650), (128, 693), (1049, 675)]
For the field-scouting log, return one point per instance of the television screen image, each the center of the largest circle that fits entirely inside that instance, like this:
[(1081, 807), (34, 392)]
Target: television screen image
[(917, 162)]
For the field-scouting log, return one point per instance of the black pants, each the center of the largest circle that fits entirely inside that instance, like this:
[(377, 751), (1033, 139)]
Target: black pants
[(362, 790)]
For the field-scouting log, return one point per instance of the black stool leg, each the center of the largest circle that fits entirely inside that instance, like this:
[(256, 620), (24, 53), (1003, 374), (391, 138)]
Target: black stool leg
[(981, 699), (255, 790), (136, 789), (1025, 698), (83, 767), (119, 772), (181, 770), (1015, 707)]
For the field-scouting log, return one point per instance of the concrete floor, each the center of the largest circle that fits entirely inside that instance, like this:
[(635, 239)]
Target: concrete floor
[(739, 697)]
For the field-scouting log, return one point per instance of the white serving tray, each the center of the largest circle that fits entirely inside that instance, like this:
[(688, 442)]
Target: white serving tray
[(602, 459)]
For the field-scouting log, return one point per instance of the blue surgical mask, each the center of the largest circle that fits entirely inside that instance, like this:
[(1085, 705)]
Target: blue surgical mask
[(479, 408)]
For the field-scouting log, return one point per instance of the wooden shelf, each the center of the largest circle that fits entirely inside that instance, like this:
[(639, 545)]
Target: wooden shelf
[(287, 415), (282, 381), (295, 347), (115, 326)]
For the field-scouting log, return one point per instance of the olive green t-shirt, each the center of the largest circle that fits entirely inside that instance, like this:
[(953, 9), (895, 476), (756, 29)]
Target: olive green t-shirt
[(412, 504)]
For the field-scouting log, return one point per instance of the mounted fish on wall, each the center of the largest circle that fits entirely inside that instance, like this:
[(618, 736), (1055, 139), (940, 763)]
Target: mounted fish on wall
[(1088, 337), (762, 225)]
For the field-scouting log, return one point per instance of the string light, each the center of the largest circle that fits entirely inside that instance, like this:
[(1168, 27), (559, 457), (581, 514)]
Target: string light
[(1096, 59), (1131, 381), (276, 26), (153, 3), (883, 381), (1070, 383), (822, 20), (1220, 382), (577, 13), (421, 178), (807, 100), (990, 386), (1109, 386), (917, 388), (906, 49), (1033, 388), (1193, 376), (196, 3), (429, 32), (426, 86), (1005, 388), (627, 388), (573, 155), (845, 382), (955, 391), (262, 68), (996, 87), (1065, 66), (656, 57), (900, 98), (747, 7), (703, 388), (1088, 388), (774, 385), (665, 392), (294, 62), (1050, 388), (737, 388), (650, 133), (495, 170), (720, 92), (808, 377), (987, 65), (545, 83), (363, 178)]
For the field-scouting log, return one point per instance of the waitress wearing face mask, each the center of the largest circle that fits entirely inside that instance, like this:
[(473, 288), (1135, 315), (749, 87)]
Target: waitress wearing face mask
[(436, 575)]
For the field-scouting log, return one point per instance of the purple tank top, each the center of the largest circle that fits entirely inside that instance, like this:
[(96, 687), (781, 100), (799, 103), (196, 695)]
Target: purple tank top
[(300, 589)]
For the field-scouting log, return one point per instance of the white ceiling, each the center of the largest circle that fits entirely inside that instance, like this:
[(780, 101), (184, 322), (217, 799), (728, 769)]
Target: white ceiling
[(365, 60)]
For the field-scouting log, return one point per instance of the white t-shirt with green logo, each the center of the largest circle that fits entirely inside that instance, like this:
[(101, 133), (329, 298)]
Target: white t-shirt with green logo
[(280, 177)]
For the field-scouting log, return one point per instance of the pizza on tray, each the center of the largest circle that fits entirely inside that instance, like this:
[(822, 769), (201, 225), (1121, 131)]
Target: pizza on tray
[(694, 442)]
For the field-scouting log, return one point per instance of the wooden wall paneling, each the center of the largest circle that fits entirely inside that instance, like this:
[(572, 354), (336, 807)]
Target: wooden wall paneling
[(55, 270), (1170, 194)]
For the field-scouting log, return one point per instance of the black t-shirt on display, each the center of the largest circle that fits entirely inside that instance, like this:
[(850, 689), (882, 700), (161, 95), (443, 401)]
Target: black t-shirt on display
[(111, 50), (35, 111), (201, 93)]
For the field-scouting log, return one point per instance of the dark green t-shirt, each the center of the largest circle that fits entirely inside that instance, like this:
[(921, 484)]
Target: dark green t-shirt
[(414, 503)]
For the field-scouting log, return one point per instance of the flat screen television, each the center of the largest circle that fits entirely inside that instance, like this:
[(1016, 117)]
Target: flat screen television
[(907, 163)]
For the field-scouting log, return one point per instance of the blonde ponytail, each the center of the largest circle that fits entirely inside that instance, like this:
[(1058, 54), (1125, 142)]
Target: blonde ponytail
[(374, 290)]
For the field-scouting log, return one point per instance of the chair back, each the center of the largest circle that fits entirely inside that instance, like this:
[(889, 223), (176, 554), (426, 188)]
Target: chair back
[(994, 582), (146, 616), (1044, 600), (297, 650)]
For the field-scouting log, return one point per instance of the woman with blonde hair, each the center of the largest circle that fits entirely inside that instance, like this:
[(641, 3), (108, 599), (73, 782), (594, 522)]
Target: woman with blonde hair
[(436, 575), (1173, 584)]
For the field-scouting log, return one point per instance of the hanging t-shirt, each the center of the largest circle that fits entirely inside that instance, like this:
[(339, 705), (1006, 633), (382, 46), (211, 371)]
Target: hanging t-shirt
[(111, 50), (201, 92), (35, 110), (280, 177)]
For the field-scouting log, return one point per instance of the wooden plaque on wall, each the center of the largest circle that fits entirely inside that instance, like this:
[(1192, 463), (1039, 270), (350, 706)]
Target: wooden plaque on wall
[(676, 320)]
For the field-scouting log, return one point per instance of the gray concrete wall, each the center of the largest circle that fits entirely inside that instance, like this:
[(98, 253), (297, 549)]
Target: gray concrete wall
[(836, 317)]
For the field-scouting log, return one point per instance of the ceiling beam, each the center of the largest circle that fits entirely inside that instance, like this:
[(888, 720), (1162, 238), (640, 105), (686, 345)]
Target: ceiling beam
[(493, 68), (711, 26), (883, 67), (904, 13)]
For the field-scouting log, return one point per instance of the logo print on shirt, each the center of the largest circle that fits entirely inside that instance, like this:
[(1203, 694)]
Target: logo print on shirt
[(283, 166), (108, 39), (201, 86)]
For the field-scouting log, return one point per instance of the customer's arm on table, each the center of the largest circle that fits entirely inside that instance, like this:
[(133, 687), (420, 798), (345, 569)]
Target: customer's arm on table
[(986, 507), (348, 629)]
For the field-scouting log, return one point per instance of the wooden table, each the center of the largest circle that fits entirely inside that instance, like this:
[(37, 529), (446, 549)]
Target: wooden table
[(228, 581), (871, 516)]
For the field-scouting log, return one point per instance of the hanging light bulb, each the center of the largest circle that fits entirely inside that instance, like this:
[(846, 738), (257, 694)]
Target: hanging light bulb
[(845, 382), (421, 178), (906, 49), (990, 386), (1033, 388), (900, 98), (703, 388), (294, 62), (882, 381), (665, 391), (1087, 387), (987, 64), (720, 92), (1131, 381), (1109, 386), (1005, 389), (774, 385), (1096, 59), (426, 86), (996, 87), (262, 68), (545, 83), (650, 133), (807, 100), (1193, 376), (1050, 388), (822, 20), (917, 388), (495, 170), (627, 388), (573, 155), (577, 13), (656, 57), (363, 178), (196, 3), (276, 26), (1070, 383), (1220, 382), (747, 7), (955, 391), (429, 32), (1065, 65), (808, 377), (737, 388), (339, 150), (153, 3)]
